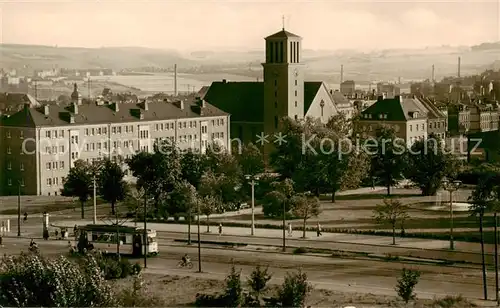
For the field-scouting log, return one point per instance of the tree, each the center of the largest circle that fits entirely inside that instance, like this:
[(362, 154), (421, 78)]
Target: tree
[(483, 200), (277, 199), (388, 156), (193, 166), (135, 201), (340, 125), (429, 164), (79, 183), (157, 173), (305, 207), (250, 160), (182, 199), (258, 283), (234, 291), (208, 206), (34, 281), (294, 291), (112, 186), (391, 211), (406, 284)]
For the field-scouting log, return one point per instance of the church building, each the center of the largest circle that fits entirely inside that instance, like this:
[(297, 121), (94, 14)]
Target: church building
[(257, 107)]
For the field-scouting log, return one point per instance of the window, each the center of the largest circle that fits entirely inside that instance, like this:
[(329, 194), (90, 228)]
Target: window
[(9, 150), (48, 165), (113, 130), (276, 122), (61, 134), (296, 118), (47, 134), (61, 165), (86, 132), (295, 92), (411, 128), (61, 149), (275, 93), (49, 182), (221, 121), (7, 134), (295, 82), (93, 131), (21, 167), (295, 103), (22, 182), (275, 83), (9, 166), (275, 104), (119, 129), (180, 125), (322, 105), (9, 182), (55, 134), (21, 134)]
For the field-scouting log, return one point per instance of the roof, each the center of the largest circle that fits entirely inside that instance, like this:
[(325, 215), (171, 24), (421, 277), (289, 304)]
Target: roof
[(434, 111), (339, 99), (103, 114), (282, 34), (394, 109), (245, 100), (203, 91)]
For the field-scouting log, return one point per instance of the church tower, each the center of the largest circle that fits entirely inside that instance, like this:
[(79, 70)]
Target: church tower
[(283, 80), (76, 97)]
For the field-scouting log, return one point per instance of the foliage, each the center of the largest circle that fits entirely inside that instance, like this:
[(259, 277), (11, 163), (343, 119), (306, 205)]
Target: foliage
[(279, 197), (137, 296), (305, 207), (340, 125), (391, 211), (35, 281), (112, 267), (406, 284), (79, 183), (294, 290), (193, 166), (112, 186), (258, 282), (234, 291), (429, 164), (208, 206), (157, 173), (182, 199), (250, 160), (388, 156), (134, 201)]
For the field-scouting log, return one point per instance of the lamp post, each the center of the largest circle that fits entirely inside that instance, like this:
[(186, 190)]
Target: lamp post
[(145, 232), (253, 181), (451, 186)]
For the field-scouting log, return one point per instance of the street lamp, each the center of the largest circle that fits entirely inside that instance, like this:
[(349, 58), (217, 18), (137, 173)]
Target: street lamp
[(199, 241), (253, 181), (18, 208), (451, 186), (95, 201)]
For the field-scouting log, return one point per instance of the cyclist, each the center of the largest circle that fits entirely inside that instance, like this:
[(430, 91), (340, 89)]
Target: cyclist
[(186, 259)]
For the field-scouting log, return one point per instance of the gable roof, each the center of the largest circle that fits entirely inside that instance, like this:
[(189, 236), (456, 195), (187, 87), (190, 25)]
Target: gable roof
[(244, 101), (103, 114), (393, 108), (282, 34)]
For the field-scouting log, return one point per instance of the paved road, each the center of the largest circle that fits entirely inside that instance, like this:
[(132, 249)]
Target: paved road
[(408, 247), (342, 275)]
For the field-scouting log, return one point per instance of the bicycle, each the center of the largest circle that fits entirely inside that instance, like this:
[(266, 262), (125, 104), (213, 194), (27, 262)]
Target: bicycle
[(183, 264)]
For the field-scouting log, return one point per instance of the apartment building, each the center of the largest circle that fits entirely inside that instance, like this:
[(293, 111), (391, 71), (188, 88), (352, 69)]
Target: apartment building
[(483, 117), (404, 115), (459, 119), (437, 120), (41, 144)]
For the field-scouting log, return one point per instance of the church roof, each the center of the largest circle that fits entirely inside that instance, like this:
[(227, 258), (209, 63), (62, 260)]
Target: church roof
[(282, 34), (244, 101)]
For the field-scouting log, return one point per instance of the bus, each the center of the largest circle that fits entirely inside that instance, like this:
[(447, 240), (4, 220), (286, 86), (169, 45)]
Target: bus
[(104, 238)]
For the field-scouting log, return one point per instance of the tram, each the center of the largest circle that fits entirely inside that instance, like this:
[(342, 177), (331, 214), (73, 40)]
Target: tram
[(104, 238)]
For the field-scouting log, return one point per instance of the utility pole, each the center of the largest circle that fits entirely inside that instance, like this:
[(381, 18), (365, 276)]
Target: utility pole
[(175, 80), (284, 240), (36, 90), (341, 73), (145, 232), (253, 181), (496, 259), (199, 241), (95, 203), (18, 208)]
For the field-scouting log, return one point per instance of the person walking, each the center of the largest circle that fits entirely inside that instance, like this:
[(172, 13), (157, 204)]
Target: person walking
[(220, 229), (290, 229), (318, 229)]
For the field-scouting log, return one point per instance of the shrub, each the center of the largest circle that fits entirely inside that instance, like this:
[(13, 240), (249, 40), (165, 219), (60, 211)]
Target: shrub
[(257, 282), (294, 291), (234, 290), (137, 296), (452, 301), (406, 284), (35, 281), (112, 266), (300, 250)]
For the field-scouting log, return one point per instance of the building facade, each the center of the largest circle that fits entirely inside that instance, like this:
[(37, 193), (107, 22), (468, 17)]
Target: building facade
[(41, 144)]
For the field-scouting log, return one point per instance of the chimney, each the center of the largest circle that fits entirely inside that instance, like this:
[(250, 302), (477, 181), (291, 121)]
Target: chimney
[(380, 98), (46, 110), (458, 67), (71, 119), (331, 91), (145, 105), (384, 95), (116, 107), (224, 81), (180, 104), (341, 73), (74, 108), (175, 79), (432, 76)]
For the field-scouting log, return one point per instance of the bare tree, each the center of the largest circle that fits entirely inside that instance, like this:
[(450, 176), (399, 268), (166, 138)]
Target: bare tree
[(391, 211)]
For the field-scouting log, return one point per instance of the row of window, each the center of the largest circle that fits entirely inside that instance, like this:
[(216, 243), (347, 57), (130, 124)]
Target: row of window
[(54, 134), (21, 134), (9, 166), (21, 182), (416, 127), (54, 165), (54, 181)]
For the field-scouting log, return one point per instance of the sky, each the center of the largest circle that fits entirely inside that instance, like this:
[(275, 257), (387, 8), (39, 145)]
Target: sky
[(189, 25)]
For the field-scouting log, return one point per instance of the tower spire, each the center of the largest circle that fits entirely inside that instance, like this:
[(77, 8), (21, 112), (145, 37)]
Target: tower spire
[(283, 21)]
